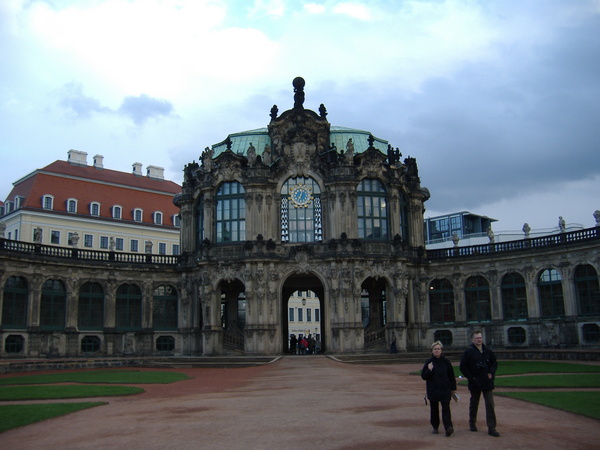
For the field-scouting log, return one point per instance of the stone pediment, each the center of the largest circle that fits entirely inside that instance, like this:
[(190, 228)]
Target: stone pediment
[(371, 163)]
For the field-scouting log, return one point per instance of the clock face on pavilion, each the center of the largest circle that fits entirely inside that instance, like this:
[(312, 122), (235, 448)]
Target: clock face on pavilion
[(300, 195)]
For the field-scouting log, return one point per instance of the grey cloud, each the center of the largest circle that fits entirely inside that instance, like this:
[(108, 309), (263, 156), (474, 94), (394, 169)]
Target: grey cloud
[(139, 109), (143, 107), (493, 131), (72, 98)]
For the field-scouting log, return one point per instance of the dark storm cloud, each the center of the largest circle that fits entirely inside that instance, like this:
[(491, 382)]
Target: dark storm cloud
[(493, 130)]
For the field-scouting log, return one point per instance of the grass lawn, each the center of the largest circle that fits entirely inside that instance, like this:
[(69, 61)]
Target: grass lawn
[(523, 367), (64, 391), (581, 380), (14, 416), (584, 403), (20, 388), (99, 376), (545, 375)]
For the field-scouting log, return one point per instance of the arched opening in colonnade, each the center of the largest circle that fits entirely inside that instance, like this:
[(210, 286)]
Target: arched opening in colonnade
[(306, 286)]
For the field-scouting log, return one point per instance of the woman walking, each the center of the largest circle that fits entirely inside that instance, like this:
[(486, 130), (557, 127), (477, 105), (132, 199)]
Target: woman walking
[(441, 385)]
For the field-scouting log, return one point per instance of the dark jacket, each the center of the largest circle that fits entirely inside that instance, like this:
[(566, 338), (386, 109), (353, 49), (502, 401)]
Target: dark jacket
[(475, 366), (441, 380)]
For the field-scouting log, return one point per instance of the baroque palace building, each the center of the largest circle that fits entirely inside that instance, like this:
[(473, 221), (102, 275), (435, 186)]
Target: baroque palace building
[(299, 206)]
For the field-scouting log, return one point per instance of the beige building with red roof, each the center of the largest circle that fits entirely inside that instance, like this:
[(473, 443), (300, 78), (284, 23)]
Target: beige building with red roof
[(71, 203)]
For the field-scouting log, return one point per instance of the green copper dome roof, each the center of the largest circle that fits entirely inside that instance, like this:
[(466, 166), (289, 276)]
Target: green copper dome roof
[(338, 136)]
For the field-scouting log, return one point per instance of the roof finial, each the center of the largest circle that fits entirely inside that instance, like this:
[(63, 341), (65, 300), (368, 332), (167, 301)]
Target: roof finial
[(298, 84)]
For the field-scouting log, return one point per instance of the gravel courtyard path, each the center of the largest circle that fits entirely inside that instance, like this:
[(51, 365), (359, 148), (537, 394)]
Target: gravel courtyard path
[(298, 402)]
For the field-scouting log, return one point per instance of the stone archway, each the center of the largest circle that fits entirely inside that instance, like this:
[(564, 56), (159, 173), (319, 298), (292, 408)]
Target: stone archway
[(292, 284), (232, 304), (374, 307)]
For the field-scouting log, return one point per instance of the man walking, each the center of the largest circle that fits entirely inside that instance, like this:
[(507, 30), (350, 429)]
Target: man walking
[(478, 364)]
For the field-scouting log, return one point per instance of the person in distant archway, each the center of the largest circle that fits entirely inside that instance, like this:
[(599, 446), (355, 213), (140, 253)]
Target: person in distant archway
[(441, 386), (293, 344)]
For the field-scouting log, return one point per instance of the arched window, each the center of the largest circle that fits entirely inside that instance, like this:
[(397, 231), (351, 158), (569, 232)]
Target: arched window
[(477, 299), (53, 305), (301, 214), (14, 304), (588, 291), (128, 314), (95, 209), (441, 301), (164, 308), (199, 220), (514, 297), (48, 201), (91, 307), (117, 212), (138, 214), (404, 218), (72, 205), (551, 294), (231, 213), (372, 210)]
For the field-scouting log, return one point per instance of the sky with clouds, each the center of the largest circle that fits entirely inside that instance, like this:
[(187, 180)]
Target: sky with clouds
[(499, 101)]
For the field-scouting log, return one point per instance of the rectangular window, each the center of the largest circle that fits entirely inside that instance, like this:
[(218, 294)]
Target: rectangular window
[(72, 206), (88, 240), (133, 245), (176, 249), (103, 241), (162, 248), (317, 315), (119, 243), (137, 215), (116, 212), (308, 315), (70, 238), (300, 319), (455, 223), (291, 313), (95, 209), (55, 237)]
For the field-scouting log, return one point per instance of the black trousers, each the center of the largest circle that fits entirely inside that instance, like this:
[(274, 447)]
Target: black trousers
[(435, 414), (490, 413)]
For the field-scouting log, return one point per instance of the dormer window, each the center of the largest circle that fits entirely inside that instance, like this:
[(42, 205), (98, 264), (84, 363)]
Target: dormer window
[(95, 209), (138, 214), (47, 201), (116, 212), (19, 200), (72, 205), (177, 220), (158, 218)]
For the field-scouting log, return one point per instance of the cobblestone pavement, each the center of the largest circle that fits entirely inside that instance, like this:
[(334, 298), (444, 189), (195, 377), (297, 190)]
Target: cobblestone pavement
[(298, 402)]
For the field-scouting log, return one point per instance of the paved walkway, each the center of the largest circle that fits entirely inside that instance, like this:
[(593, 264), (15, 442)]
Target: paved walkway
[(301, 402)]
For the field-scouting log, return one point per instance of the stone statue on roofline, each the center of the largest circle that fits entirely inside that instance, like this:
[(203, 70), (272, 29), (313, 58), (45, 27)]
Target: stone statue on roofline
[(490, 234), (597, 217), (526, 230), (251, 154), (562, 225)]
